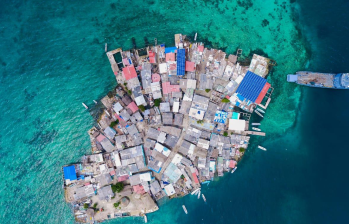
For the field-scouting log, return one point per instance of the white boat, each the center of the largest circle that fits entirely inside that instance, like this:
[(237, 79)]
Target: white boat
[(192, 193), (234, 169), (256, 129), (185, 209), (260, 110), (258, 113), (85, 105), (95, 101), (203, 197), (256, 124), (199, 194), (145, 218), (196, 35), (106, 47), (261, 147)]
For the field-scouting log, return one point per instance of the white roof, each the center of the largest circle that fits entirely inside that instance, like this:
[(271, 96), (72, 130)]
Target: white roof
[(117, 159), (191, 83), (175, 107), (177, 159), (117, 107), (145, 176), (197, 114), (203, 143), (169, 189), (140, 100), (162, 137), (237, 125), (239, 79), (160, 148), (103, 168), (163, 68)]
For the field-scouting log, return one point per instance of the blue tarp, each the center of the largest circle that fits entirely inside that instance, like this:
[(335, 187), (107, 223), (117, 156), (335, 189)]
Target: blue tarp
[(170, 50), (69, 173), (221, 117), (180, 61), (251, 86)]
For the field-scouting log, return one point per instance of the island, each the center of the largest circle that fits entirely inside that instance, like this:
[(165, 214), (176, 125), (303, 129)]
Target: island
[(178, 117)]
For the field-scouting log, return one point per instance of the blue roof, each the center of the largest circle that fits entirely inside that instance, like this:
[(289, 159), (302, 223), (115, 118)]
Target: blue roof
[(180, 61), (69, 173), (251, 86), (170, 50)]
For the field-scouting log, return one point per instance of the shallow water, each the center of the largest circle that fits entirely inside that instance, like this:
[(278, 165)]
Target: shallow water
[(52, 58)]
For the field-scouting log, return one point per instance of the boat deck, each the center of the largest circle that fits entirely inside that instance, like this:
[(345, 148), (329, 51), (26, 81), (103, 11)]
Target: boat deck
[(313, 78)]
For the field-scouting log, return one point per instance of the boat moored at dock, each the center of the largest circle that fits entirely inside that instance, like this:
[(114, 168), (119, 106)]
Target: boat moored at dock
[(320, 80), (203, 197)]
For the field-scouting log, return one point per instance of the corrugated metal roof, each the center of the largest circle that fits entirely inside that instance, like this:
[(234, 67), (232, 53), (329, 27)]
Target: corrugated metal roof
[(180, 61), (251, 86), (69, 173)]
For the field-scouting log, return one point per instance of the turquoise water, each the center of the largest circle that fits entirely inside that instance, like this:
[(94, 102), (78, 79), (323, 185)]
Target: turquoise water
[(52, 58)]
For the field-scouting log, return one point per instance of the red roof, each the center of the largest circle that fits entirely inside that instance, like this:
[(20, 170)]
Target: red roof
[(172, 67), (139, 189), (112, 173), (262, 93), (227, 96), (151, 54), (122, 178), (232, 163), (122, 122), (189, 66), (195, 178), (170, 57), (129, 72), (132, 106), (201, 48), (100, 137), (152, 59), (155, 77), (125, 61), (168, 88)]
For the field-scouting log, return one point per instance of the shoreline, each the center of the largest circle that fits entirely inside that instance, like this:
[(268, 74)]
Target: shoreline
[(178, 117)]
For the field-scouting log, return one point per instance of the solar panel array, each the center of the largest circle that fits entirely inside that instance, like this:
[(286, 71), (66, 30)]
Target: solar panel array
[(180, 61), (251, 86)]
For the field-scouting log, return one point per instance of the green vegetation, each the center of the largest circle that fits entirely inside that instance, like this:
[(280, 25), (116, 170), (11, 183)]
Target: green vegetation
[(118, 187), (182, 176), (113, 123), (125, 83), (86, 206), (157, 102), (225, 134), (129, 92), (242, 149), (116, 205), (142, 108), (200, 121), (225, 100), (95, 205), (207, 90)]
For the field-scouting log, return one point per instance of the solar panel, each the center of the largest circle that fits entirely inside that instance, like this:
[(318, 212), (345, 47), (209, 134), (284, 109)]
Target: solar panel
[(251, 86), (180, 61)]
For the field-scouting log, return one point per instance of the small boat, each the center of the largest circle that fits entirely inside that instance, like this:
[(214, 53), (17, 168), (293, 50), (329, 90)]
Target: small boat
[(199, 194), (258, 113), (196, 35), (261, 147), (145, 218), (85, 105), (260, 110), (256, 124), (203, 197), (95, 101), (206, 182), (185, 209), (192, 193), (234, 169), (256, 129), (106, 47)]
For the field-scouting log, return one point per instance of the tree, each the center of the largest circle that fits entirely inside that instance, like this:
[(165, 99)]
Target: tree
[(95, 205), (113, 123), (129, 92), (200, 121), (118, 187), (157, 102), (142, 108), (225, 134), (225, 100), (116, 205), (207, 90), (242, 149), (86, 206)]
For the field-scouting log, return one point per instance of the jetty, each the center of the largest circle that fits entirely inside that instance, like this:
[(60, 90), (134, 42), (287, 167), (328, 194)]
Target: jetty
[(178, 118)]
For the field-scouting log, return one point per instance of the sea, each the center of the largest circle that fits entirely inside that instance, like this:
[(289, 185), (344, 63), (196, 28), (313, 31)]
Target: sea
[(52, 59)]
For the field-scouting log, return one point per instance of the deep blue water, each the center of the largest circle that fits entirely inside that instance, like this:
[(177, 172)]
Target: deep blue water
[(52, 59)]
